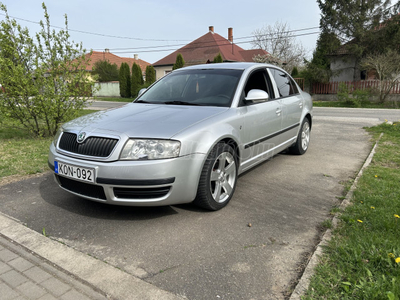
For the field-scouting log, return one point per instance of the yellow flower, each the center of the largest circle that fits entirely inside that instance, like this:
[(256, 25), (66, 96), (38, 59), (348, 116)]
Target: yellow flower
[(391, 255), (397, 216), (386, 120), (361, 202), (397, 260), (359, 221), (376, 176), (372, 207)]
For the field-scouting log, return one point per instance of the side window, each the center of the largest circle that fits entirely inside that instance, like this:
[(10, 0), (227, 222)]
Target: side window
[(286, 86)]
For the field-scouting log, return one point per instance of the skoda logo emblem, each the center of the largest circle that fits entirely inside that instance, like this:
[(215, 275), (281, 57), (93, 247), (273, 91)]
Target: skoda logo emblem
[(81, 137)]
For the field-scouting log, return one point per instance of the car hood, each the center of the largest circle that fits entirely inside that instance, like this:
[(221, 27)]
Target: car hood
[(143, 120)]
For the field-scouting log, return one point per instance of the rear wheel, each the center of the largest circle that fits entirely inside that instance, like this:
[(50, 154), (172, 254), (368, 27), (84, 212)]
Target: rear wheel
[(218, 178), (303, 139)]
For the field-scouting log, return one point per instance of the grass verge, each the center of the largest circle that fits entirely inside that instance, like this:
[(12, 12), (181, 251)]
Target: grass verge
[(345, 104), (21, 154), (362, 260)]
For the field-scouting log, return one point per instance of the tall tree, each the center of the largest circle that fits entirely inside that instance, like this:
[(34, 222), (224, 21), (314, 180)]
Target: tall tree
[(353, 20), (280, 42), (318, 69), (136, 79), (179, 63), (150, 75), (105, 71), (44, 77), (125, 80)]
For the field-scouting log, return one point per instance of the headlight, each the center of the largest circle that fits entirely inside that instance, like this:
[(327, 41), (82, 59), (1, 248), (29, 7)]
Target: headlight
[(57, 136), (150, 149)]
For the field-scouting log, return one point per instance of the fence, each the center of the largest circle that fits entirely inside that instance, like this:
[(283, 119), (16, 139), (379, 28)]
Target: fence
[(107, 89), (333, 87)]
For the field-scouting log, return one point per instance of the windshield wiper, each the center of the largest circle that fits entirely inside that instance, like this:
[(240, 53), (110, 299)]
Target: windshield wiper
[(181, 103), (141, 101)]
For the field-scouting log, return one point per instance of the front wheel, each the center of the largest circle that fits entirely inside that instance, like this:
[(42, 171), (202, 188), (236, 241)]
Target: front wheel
[(303, 139), (218, 178)]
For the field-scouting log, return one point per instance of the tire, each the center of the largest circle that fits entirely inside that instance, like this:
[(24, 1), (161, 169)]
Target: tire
[(303, 139), (218, 178)]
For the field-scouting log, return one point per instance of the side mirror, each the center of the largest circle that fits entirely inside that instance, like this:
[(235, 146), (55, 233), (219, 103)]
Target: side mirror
[(141, 92), (256, 96)]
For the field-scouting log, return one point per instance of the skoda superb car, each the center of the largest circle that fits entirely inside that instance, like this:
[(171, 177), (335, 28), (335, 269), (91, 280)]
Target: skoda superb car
[(186, 138)]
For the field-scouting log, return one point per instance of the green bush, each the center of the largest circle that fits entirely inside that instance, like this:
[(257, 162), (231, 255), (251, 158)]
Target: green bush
[(150, 75), (125, 81), (136, 80), (357, 99)]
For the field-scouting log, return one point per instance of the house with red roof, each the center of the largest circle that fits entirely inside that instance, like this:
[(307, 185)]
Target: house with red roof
[(114, 59), (205, 49)]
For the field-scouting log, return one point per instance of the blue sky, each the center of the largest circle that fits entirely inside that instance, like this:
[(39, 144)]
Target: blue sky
[(172, 23)]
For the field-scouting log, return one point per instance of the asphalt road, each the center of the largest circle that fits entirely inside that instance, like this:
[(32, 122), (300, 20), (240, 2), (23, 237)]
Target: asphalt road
[(255, 248)]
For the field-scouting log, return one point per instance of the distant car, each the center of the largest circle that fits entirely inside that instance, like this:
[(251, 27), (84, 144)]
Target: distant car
[(186, 138)]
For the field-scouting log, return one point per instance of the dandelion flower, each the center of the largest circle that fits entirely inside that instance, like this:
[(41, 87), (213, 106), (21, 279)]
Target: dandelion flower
[(397, 216), (376, 176), (397, 260), (391, 255), (372, 207), (359, 221)]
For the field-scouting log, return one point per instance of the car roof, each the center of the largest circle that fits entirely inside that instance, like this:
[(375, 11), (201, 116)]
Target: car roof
[(228, 65)]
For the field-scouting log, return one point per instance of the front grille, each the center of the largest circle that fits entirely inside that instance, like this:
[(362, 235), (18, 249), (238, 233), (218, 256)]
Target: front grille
[(141, 193), (82, 188), (92, 146)]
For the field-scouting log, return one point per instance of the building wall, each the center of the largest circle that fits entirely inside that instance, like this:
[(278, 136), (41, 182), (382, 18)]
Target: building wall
[(345, 68), (162, 71), (106, 89)]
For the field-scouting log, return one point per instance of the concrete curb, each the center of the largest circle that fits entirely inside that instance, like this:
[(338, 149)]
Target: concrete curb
[(304, 281), (113, 282)]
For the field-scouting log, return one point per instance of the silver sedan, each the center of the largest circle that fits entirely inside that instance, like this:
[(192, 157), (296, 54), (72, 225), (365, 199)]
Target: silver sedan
[(186, 138)]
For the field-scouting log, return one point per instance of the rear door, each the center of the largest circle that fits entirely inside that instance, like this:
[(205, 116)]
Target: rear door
[(291, 103)]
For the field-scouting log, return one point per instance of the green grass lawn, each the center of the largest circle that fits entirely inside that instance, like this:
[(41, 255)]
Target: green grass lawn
[(362, 260), (21, 154)]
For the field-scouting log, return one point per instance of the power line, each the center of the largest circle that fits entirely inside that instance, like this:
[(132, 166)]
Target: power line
[(213, 42), (193, 47), (94, 33), (247, 39)]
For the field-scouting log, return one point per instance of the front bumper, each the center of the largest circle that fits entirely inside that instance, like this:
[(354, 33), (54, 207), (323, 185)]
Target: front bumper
[(135, 183)]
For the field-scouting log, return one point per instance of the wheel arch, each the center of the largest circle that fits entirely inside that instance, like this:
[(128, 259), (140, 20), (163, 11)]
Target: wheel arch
[(231, 142)]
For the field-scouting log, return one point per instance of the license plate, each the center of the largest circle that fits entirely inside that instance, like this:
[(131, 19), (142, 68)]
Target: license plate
[(71, 171)]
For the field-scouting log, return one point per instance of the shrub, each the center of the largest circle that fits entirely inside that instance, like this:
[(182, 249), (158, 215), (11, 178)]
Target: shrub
[(125, 81), (44, 76), (357, 99), (150, 75), (179, 63)]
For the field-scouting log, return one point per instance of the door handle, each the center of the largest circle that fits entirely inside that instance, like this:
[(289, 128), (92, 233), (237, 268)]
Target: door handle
[(278, 111), (301, 104)]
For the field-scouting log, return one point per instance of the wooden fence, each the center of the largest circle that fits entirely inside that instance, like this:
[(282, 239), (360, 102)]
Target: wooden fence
[(333, 87)]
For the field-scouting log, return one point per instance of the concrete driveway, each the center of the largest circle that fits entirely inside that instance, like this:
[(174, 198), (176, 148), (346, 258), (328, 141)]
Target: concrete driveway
[(255, 248)]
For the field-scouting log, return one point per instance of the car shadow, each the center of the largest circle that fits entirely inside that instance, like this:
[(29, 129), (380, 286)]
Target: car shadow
[(52, 194)]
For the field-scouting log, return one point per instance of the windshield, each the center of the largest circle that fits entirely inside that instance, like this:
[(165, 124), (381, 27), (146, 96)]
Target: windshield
[(210, 87)]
